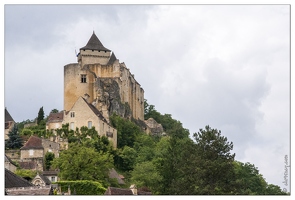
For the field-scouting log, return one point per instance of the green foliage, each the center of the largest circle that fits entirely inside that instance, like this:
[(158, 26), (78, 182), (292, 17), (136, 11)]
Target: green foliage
[(83, 163), (49, 156), (54, 111), (145, 174), (14, 140), (216, 163), (126, 158), (82, 187), (40, 115), (127, 131), (170, 125), (26, 174)]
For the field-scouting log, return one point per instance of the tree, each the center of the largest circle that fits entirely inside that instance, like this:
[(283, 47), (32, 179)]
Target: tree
[(126, 131), (54, 111), (14, 140), (83, 163), (145, 174), (49, 156), (26, 174), (216, 169), (40, 115)]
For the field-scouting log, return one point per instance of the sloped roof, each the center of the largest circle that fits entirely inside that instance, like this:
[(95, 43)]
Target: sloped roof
[(113, 174), (8, 117), (35, 190), (95, 111), (118, 191), (33, 143), (44, 179), (94, 44), (50, 173), (112, 59), (55, 117), (13, 180), (7, 159)]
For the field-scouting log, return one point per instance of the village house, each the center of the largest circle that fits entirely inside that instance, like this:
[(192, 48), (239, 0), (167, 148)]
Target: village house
[(9, 123)]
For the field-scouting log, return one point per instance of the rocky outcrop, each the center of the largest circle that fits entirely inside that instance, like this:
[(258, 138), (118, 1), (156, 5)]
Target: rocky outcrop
[(108, 99), (154, 128)]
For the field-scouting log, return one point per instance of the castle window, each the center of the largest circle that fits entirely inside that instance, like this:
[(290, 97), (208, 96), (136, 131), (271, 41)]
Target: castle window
[(72, 114), (89, 124), (52, 178), (83, 78)]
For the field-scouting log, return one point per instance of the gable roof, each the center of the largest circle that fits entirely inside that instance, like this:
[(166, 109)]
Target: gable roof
[(7, 159), (8, 117), (94, 44), (13, 180), (33, 143), (95, 111), (55, 117), (43, 178), (113, 174)]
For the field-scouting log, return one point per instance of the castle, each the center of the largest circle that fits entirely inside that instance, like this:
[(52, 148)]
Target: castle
[(104, 82), (95, 87)]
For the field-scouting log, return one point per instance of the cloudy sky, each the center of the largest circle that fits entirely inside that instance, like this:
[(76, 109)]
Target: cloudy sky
[(227, 66)]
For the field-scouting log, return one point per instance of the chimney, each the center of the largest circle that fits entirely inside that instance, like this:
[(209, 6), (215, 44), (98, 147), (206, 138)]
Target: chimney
[(133, 189), (86, 97)]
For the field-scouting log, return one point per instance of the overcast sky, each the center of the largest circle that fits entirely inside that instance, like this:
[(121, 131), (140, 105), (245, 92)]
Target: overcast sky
[(227, 66)]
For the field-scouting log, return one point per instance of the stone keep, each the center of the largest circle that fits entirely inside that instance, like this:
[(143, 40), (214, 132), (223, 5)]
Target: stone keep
[(106, 83)]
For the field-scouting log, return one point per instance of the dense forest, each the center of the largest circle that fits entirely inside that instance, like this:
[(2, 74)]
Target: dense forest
[(174, 164)]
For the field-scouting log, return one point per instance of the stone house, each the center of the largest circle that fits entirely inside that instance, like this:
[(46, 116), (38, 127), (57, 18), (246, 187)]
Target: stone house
[(9, 123), (34, 150), (85, 114)]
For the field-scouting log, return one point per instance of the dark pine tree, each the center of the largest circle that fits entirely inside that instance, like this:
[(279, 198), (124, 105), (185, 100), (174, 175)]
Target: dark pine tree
[(14, 141), (40, 115)]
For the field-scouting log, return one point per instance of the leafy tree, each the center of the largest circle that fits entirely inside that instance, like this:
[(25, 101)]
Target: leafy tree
[(14, 140), (49, 156), (126, 131), (216, 169), (127, 158), (40, 115), (83, 163), (26, 174), (54, 111), (274, 190), (145, 174)]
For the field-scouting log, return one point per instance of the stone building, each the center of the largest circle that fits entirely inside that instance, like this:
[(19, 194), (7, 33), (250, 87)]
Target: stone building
[(85, 114), (9, 123), (108, 84), (33, 152)]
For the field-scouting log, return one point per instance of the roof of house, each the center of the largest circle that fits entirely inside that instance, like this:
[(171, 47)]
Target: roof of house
[(113, 174), (95, 111), (35, 190), (50, 173), (33, 143), (94, 44), (118, 191), (43, 178), (8, 117), (55, 117), (12, 180), (7, 159)]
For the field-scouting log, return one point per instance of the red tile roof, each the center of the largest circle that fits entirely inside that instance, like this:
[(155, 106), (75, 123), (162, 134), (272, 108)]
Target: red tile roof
[(33, 143)]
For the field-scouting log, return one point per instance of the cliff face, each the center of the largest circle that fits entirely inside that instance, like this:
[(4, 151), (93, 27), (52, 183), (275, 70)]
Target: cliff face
[(108, 99)]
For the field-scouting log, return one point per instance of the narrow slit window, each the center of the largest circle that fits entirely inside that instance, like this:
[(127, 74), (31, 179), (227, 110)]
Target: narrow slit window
[(83, 78)]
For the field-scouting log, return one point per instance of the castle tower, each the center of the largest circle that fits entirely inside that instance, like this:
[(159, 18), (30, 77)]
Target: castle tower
[(108, 84), (93, 52)]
